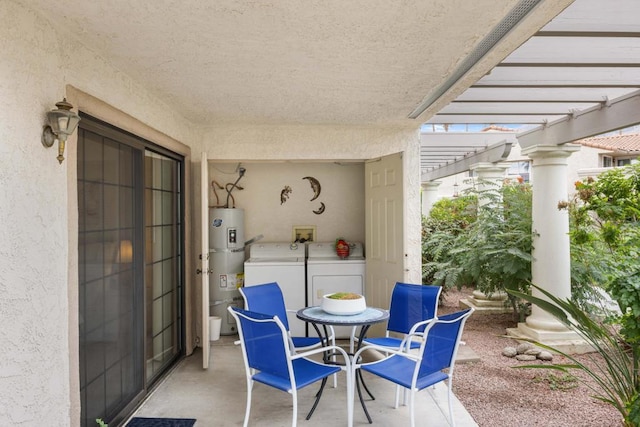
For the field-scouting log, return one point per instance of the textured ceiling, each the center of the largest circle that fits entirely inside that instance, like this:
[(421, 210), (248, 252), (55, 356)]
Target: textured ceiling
[(287, 61)]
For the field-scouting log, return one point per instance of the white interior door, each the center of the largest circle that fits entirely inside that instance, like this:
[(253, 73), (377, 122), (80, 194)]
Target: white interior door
[(384, 199), (204, 256)]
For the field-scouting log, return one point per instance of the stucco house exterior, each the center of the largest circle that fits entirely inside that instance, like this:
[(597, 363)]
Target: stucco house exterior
[(332, 89)]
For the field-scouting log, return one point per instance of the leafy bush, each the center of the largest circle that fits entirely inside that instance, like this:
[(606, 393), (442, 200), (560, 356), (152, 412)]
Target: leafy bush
[(491, 249), (447, 219), (492, 252), (605, 241)]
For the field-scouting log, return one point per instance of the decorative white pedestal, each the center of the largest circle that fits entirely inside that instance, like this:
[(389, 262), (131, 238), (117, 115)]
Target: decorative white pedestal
[(496, 303)]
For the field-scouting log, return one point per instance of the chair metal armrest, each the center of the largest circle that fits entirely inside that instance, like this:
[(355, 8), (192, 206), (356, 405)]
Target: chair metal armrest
[(414, 328), (325, 349), (388, 351), (414, 333)]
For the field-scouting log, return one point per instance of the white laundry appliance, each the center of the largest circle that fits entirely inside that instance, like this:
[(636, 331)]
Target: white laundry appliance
[(283, 263), (327, 273)]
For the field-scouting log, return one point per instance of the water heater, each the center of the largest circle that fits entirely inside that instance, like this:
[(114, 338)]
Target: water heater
[(226, 262)]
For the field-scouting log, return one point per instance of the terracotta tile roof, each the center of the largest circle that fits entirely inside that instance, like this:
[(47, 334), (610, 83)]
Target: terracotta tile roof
[(494, 128), (627, 143)]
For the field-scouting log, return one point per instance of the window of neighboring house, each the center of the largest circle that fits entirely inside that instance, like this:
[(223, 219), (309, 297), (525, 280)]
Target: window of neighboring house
[(520, 169), (623, 162), (607, 161)]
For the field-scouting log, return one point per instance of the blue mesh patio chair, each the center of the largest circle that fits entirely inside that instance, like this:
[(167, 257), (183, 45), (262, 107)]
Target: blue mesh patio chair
[(410, 306), (267, 298), (268, 360), (416, 371)]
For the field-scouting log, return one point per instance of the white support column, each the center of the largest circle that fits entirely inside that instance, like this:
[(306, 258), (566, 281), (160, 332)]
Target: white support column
[(490, 177), (551, 265), (429, 195)]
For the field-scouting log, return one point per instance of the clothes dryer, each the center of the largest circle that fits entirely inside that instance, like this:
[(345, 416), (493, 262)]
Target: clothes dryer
[(283, 263), (327, 274)]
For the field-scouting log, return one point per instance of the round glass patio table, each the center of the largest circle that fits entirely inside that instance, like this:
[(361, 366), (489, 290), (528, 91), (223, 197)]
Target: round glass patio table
[(370, 316)]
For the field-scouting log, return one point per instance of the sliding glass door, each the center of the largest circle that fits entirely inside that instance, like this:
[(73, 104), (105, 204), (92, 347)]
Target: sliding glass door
[(131, 268), (163, 262)]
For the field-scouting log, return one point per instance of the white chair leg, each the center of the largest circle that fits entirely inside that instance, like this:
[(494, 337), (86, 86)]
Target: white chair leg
[(333, 358), (449, 395), (294, 421), (395, 406), (248, 409), (412, 405)]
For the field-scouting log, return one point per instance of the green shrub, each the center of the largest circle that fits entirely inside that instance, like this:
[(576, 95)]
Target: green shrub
[(491, 251), (605, 242)]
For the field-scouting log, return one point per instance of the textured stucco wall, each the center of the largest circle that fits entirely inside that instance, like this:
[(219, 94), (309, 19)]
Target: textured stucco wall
[(38, 266), (342, 192), (586, 158)]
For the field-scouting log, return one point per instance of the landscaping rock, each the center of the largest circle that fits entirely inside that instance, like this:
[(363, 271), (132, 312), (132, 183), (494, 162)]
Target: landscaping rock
[(545, 355), (509, 351), (533, 351), (525, 357), (522, 348)]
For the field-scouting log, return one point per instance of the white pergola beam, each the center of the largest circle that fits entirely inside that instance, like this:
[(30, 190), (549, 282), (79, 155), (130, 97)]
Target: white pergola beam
[(495, 153), (454, 119), (616, 114)]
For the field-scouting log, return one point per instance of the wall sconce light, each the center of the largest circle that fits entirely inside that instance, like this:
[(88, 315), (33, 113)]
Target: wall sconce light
[(61, 123)]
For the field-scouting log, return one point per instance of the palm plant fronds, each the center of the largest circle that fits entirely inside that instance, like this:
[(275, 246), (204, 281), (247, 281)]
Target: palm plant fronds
[(617, 379)]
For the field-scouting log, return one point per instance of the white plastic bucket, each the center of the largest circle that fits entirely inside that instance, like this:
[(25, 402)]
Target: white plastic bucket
[(215, 323)]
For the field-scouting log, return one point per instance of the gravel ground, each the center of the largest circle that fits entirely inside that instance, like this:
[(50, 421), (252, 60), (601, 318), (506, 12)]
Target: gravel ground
[(497, 395)]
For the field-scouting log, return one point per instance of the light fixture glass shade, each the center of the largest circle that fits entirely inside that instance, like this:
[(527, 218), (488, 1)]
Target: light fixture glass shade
[(62, 120)]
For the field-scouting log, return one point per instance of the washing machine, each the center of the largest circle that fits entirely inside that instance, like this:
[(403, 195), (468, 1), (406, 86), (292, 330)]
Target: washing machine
[(327, 273), (283, 263)]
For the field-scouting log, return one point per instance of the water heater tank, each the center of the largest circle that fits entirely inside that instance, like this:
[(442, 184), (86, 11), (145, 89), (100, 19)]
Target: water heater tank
[(226, 262)]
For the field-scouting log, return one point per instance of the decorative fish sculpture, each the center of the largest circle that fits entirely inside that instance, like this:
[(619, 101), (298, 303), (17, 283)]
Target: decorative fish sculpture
[(320, 209), (315, 186), (284, 194)]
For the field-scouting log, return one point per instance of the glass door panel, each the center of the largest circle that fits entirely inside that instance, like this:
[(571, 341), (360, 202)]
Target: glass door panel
[(110, 350), (163, 262)]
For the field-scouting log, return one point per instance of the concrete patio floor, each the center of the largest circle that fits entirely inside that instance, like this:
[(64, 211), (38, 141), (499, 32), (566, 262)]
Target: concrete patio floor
[(216, 397)]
